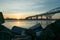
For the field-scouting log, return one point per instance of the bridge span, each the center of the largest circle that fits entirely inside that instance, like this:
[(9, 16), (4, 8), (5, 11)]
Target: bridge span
[(46, 15)]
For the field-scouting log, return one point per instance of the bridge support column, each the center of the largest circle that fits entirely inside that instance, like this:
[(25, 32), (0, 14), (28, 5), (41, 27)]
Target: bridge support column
[(41, 17), (36, 17), (30, 18), (48, 17)]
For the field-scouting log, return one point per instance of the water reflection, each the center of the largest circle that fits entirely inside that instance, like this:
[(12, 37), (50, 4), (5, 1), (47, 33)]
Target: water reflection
[(25, 24)]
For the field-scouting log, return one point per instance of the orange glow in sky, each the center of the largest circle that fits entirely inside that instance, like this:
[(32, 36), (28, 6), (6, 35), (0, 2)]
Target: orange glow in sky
[(20, 15), (15, 16)]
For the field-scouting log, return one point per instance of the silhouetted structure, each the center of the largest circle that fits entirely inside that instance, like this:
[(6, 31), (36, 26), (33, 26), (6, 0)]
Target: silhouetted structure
[(48, 14)]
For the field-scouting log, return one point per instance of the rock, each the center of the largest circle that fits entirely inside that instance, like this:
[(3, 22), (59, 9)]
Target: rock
[(20, 33), (33, 31), (5, 33), (20, 37), (18, 30), (1, 18), (36, 28), (51, 32)]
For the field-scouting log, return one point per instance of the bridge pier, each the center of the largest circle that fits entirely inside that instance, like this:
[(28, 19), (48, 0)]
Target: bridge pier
[(36, 17), (30, 18), (41, 17), (48, 17)]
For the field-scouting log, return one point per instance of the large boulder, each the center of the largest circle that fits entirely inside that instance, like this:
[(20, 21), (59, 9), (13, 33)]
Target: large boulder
[(35, 30), (5, 33), (51, 32), (20, 33), (18, 30), (36, 27), (20, 37)]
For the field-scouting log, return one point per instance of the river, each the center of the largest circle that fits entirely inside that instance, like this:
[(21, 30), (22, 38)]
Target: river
[(26, 23)]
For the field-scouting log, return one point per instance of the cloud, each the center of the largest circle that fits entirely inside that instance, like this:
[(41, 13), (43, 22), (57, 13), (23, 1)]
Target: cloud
[(15, 4), (27, 5)]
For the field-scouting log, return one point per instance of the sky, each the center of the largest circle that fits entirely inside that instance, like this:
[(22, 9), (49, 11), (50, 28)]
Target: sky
[(24, 8)]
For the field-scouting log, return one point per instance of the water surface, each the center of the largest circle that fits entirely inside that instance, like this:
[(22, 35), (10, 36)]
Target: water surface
[(26, 23)]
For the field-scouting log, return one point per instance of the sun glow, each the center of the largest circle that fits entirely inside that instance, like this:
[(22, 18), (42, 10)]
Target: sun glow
[(17, 17), (14, 16)]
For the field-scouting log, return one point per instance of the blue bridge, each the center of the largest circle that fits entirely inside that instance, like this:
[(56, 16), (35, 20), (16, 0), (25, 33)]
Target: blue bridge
[(46, 15)]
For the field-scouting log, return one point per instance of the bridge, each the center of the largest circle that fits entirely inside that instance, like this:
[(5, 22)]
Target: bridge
[(46, 15)]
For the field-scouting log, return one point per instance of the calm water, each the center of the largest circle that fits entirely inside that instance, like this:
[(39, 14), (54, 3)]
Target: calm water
[(26, 23)]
